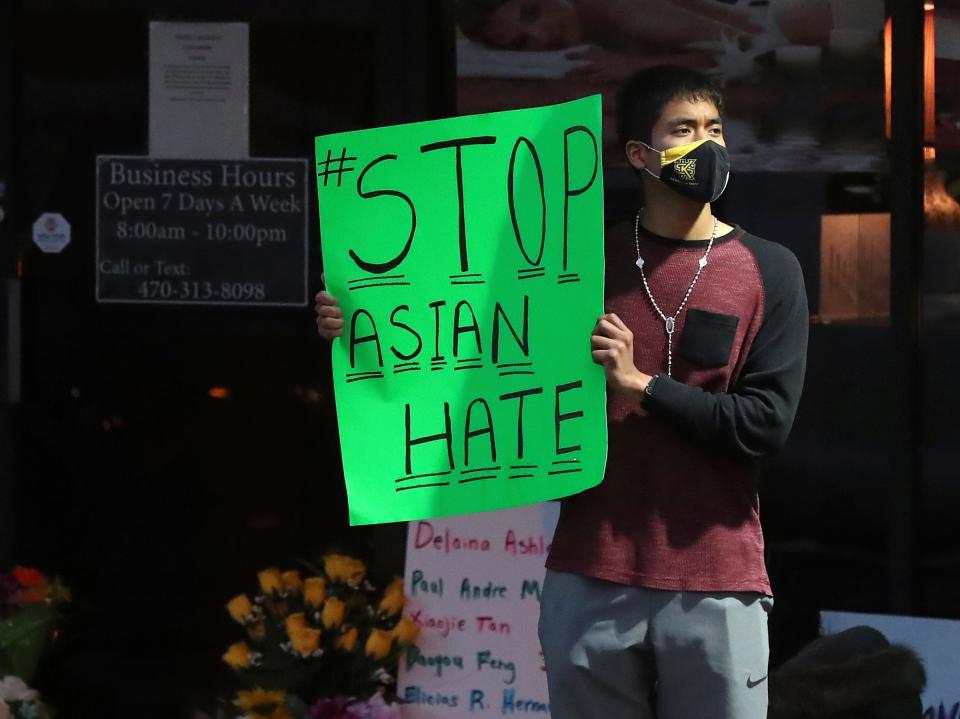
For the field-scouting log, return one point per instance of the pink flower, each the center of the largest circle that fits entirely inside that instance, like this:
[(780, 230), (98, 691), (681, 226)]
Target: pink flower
[(334, 708), (374, 708)]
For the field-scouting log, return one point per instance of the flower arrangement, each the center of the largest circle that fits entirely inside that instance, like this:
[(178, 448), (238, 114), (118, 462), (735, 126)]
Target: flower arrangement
[(324, 646), (29, 602)]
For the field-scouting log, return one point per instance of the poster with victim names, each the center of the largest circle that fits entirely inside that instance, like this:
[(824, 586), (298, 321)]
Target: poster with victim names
[(473, 584)]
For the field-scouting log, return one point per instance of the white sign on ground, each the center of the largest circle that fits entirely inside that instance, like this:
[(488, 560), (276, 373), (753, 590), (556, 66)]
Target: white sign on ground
[(935, 640)]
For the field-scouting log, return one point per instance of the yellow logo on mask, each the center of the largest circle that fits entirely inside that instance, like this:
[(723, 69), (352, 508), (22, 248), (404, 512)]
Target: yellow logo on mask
[(687, 168)]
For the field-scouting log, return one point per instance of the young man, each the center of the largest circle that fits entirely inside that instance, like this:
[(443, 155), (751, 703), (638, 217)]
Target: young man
[(656, 597)]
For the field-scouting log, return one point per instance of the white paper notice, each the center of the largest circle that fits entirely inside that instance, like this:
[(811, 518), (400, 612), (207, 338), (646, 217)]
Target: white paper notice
[(473, 585), (199, 90)]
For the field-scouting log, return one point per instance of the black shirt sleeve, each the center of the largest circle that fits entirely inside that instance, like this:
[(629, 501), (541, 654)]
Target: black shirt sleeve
[(754, 418)]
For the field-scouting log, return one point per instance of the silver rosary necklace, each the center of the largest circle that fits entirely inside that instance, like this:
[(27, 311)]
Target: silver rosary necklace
[(670, 323)]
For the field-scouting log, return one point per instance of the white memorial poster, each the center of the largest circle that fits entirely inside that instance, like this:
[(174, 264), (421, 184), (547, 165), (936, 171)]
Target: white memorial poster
[(934, 640), (199, 90), (473, 584)]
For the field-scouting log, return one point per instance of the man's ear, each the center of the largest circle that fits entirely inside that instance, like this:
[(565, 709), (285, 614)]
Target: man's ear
[(636, 154)]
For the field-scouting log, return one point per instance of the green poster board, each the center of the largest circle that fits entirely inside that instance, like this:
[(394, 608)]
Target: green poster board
[(467, 256)]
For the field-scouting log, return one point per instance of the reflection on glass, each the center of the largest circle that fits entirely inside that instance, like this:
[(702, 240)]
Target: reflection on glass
[(941, 281), (803, 79), (855, 268)]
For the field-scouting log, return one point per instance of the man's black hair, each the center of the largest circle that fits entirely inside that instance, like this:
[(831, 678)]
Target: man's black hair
[(643, 97)]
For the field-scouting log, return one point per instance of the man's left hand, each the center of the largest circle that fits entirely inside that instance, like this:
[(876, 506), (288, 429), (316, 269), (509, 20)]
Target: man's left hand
[(612, 346)]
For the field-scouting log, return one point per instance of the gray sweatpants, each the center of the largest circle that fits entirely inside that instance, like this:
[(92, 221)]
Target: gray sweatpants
[(614, 651)]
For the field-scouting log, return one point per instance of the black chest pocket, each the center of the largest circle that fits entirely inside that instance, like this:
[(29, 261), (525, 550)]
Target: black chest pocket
[(707, 337)]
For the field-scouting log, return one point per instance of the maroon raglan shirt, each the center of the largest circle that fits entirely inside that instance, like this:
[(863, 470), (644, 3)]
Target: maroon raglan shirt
[(678, 507)]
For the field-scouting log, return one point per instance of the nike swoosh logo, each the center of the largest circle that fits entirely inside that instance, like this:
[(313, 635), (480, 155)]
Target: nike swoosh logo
[(751, 684)]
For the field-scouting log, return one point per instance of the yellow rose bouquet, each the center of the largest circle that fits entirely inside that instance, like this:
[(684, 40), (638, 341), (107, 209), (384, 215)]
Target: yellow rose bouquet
[(328, 632)]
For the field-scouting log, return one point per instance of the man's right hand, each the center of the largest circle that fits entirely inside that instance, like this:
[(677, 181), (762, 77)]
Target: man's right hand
[(329, 315)]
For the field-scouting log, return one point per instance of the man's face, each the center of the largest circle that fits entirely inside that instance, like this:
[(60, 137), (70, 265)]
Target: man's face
[(532, 25), (682, 121)]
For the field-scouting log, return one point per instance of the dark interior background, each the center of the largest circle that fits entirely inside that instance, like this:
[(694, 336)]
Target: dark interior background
[(156, 502)]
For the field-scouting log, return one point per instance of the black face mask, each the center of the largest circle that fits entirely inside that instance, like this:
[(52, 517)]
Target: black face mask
[(698, 170)]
